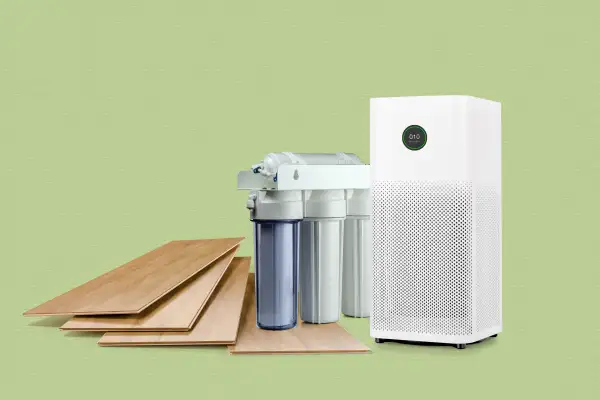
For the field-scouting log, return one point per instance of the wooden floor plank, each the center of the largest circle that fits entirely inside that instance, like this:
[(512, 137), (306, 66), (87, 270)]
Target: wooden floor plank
[(218, 322), (303, 339), (176, 311), (132, 287)]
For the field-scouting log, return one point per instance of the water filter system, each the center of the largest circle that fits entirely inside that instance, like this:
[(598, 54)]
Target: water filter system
[(311, 215)]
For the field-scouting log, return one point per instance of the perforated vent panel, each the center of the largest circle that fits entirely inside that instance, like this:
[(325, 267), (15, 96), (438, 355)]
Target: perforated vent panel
[(422, 257), (488, 258)]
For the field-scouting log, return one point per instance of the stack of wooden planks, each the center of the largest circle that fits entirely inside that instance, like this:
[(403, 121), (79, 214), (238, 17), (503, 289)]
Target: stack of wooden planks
[(186, 292)]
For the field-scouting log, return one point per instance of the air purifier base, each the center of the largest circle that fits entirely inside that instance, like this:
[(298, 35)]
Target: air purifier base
[(459, 346), (416, 338)]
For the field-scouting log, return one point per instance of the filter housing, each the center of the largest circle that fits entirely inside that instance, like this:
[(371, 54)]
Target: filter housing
[(437, 220), (357, 272), (321, 247)]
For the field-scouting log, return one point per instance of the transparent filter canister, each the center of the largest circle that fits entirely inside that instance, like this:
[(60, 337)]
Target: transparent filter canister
[(276, 255)]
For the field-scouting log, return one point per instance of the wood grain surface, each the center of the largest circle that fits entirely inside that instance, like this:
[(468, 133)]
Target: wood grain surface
[(132, 287), (305, 338), (218, 322), (176, 311)]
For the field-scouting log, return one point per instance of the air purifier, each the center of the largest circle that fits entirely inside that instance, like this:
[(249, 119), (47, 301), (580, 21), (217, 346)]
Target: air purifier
[(437, 219)]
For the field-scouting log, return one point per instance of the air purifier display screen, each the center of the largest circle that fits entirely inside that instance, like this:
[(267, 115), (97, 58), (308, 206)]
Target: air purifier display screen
[(414, 137)]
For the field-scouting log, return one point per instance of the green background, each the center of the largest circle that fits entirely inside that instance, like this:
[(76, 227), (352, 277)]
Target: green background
[(123, 125)]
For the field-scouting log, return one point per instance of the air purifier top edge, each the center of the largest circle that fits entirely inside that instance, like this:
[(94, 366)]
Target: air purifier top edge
[(374, 99)]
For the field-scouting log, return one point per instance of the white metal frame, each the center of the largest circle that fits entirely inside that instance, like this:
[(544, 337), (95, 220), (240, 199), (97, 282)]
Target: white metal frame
[(308, 177)]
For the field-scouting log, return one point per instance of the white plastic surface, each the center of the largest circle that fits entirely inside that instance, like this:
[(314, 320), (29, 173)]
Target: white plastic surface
[(358, 202), (320, 270), (357, 272), (463, 139), (324, 204)]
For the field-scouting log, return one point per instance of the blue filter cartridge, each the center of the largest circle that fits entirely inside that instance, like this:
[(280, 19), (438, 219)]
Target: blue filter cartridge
[(276, 255)]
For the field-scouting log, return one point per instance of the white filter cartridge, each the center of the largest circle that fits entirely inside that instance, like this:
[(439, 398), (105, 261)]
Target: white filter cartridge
[(357, 274), (320, 269)]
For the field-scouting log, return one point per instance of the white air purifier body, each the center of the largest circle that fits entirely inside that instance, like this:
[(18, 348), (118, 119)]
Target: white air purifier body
[(437, 219)]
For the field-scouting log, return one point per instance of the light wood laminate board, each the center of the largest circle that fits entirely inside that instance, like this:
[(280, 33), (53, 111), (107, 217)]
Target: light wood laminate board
[(176, 311), (303, 339), (132, 287), (218, 322)]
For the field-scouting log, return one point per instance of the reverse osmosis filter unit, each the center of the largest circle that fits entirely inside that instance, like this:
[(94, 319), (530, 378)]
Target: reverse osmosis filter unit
[(437, 219), (311, 215)]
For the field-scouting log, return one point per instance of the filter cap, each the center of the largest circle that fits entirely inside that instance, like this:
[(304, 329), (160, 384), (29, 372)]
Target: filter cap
[(275, 205)]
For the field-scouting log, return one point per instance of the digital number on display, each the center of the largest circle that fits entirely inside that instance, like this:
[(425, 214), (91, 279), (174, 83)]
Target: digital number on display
[(414, 137)]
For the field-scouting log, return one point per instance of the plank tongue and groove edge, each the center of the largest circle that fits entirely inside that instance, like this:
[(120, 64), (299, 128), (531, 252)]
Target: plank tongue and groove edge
[(132, 287), (218, 323), (303, 339), (176, 311)]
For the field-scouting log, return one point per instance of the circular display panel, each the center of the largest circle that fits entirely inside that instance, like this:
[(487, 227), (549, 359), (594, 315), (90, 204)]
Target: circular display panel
[(414, 137)]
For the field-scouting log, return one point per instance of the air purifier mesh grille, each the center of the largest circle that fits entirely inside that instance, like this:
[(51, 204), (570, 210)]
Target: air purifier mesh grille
[(422, 258), (488, 254)]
